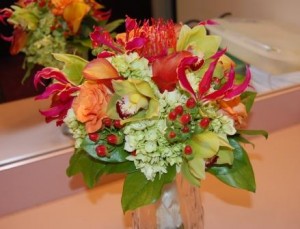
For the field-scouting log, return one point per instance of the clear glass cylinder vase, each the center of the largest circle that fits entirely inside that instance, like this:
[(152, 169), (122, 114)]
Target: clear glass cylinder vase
[(180, 206)]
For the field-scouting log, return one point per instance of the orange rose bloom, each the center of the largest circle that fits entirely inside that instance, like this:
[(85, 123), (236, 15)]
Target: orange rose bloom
[(91, 104)]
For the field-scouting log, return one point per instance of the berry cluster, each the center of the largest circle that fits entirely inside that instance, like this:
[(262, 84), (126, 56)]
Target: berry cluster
[(109, 138), (184, 121)]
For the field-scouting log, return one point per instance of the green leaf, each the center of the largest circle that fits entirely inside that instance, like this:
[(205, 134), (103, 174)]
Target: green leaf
[(248, 98), (240, 138), (113, 25), (254, 132), (117, 153), (90, 168), (73, 66), (138, 191), (123, 167), (240, 174)]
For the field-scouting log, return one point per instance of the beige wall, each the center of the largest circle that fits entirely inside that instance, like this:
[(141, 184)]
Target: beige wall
[(284, 11)]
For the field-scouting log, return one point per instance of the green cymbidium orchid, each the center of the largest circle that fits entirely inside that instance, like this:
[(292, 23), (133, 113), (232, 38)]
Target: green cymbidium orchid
[(135, 99), (196, 40), (207, 145)]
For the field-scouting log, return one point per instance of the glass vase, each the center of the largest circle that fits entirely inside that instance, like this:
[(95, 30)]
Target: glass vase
[(179, 206)]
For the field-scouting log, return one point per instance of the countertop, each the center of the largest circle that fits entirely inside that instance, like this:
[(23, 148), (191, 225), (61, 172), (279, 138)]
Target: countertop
[(276, 203)]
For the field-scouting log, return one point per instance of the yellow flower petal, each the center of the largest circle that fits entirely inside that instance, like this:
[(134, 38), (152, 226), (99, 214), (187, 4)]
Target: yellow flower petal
[(74, 13)]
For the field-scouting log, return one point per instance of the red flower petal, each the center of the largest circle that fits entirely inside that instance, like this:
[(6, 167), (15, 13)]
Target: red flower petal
[(222, 91), (193, 63), (205, 83), (49, 73), (238, 89), (164, 70)]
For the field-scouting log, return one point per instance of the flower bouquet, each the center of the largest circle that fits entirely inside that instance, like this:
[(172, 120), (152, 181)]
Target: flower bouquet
[(42, 27), (159, 99)]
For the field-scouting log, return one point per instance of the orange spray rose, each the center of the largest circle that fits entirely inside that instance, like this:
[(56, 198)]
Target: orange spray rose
[(91, 104)]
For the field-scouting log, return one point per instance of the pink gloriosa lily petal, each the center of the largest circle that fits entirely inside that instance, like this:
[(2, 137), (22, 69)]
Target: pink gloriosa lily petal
[(101, 37), (208, 22), (50, 90), (238, 89), (191, 62), (49, 73), (221, 92), (205, 83)]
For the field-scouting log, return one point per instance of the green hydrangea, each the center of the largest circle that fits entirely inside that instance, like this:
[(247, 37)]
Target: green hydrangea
[(170, 99), (46, 42), (76, 128), (153, 152), (223, 125), (132, 65)]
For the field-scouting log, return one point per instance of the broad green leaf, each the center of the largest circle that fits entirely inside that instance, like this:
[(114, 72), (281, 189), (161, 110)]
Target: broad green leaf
[(240, 138), (118, 154), (240, 174), (138, 191), (254, 132), (73, 66), (123, 167), (90, 168), (248, 98)]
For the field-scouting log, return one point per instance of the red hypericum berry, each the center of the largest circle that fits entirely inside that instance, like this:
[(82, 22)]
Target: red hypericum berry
[(172, 115), (112, 139), (190, 103), (133, 153), (185, 129), (94, 137), (185, 119), (117, 124), (179, 110), (101, 150), (204, 122), (107, 122), (188, 150), (172, 134)]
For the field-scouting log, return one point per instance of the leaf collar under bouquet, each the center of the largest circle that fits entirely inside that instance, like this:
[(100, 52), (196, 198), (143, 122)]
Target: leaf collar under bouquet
[(159, 99), (42, 27)]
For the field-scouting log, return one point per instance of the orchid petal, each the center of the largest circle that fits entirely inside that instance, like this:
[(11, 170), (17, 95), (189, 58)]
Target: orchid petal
[(50, 73), (237, 90), (99, 69), (185, 63), (221, 92)]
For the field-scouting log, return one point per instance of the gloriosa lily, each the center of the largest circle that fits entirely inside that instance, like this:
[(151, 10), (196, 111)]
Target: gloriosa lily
[(62, 92)]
